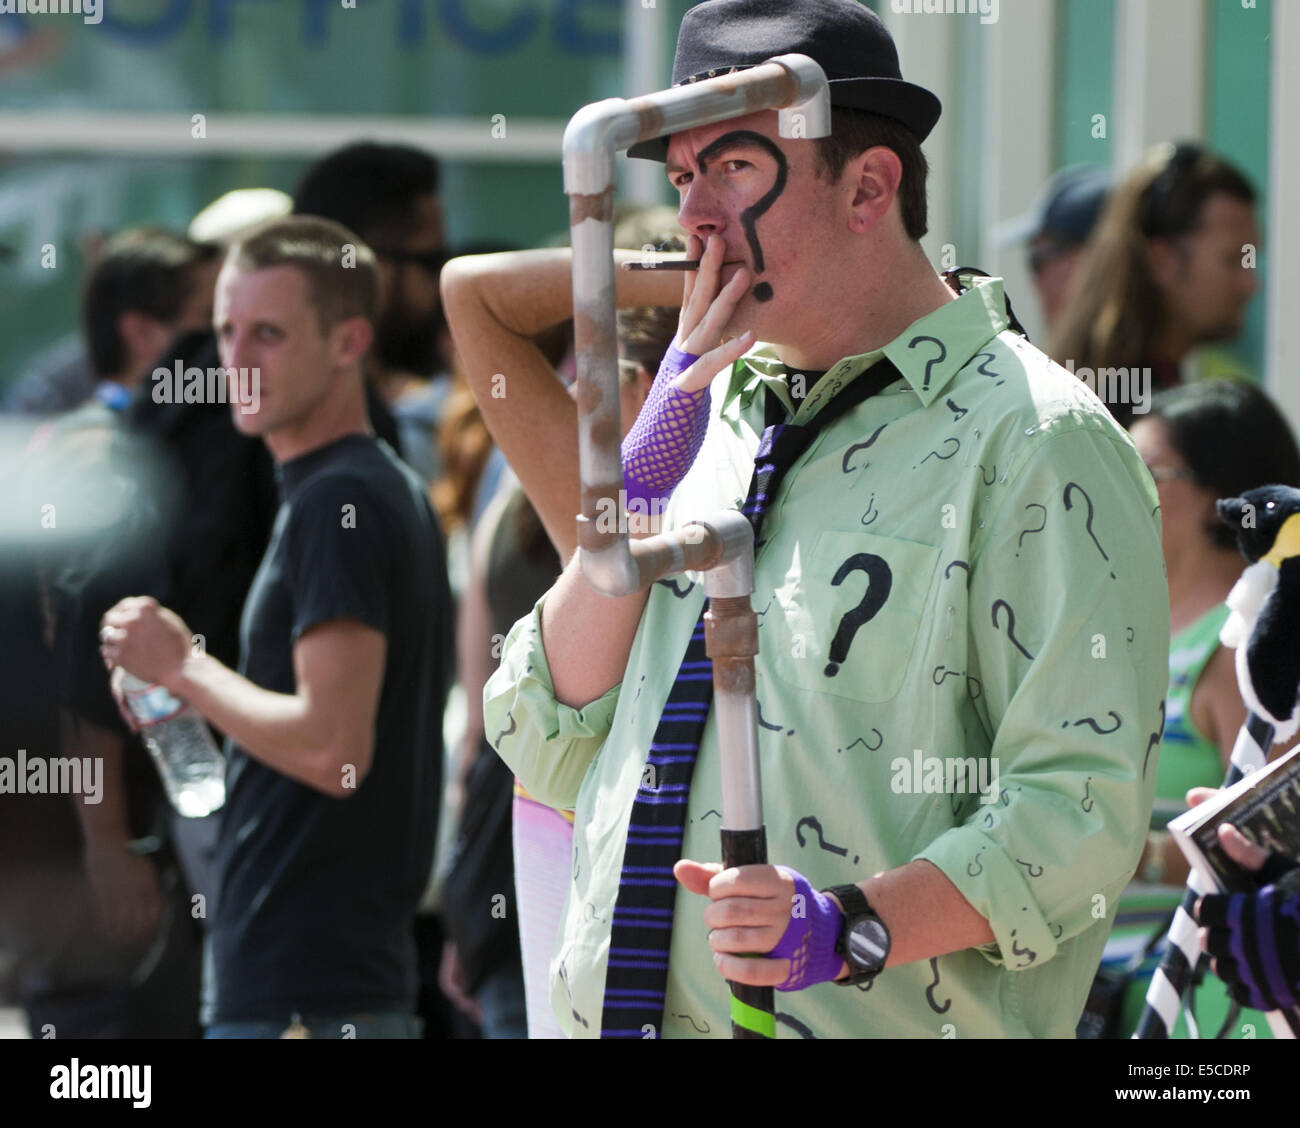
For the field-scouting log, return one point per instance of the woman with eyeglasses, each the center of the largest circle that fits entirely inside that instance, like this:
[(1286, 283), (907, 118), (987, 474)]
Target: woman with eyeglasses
[(1200, 442)]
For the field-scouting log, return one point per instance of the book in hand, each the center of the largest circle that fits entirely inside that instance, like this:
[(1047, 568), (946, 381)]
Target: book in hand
[(1264, 806)]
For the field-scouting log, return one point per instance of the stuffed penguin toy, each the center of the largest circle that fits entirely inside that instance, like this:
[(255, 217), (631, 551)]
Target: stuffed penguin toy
[(1264, 626)]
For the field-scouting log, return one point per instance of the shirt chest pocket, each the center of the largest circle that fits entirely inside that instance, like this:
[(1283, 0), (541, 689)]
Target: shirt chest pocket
[(850, 614)]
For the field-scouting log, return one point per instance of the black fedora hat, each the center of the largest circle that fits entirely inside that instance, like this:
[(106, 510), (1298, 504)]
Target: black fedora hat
[(844, 37)]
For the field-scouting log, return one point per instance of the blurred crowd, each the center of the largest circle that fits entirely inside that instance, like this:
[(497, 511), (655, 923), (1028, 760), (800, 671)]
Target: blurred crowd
[(159, 493)]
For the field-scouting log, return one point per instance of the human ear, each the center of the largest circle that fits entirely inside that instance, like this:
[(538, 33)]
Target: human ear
[(876, 175)]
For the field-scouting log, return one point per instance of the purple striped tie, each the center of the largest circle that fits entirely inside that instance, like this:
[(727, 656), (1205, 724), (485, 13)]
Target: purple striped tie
[(637, 978)]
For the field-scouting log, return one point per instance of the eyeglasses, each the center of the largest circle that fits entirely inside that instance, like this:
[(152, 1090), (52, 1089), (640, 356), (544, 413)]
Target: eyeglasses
[(1170, 473), (432, 261)]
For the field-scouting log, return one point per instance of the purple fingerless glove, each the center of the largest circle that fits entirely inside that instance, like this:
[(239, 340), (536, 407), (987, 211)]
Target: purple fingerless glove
[(666, 437), (809, 939)]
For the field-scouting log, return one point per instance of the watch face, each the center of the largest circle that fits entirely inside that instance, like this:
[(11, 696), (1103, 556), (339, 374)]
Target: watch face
[(868, 944)]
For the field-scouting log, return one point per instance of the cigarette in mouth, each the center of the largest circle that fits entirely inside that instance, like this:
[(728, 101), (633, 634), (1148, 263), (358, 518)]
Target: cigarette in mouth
[(666, 264)]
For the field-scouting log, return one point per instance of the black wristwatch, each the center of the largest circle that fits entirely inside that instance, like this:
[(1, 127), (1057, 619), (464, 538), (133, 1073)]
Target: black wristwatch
[(864, 939)]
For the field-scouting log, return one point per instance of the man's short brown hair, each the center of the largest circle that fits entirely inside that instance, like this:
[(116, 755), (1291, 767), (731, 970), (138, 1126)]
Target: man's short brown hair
[(853, 132), (342, 280)]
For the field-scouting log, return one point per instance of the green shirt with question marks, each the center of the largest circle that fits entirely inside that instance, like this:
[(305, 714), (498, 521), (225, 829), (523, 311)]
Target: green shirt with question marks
[(999, 714)]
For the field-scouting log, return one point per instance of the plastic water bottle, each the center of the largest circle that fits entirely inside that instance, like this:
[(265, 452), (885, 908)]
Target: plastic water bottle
[(191, 765)]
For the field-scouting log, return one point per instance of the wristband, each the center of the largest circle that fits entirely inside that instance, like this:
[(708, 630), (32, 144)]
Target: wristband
[(809, 939), (667, 435)]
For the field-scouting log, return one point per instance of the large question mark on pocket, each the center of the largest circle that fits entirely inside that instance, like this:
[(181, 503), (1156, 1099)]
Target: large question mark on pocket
[(929, 364), (829, 847), (880, 581), (749, 217), (1070, 486)]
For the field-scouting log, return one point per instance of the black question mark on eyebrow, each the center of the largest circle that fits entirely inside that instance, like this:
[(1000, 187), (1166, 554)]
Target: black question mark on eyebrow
[(1155, 738), (1011, 625), (1091, 722), (929, 991), (1087, 802), (829, 847), (749, 217), (879, 582), (1027, 532), (844, 462), (929, 364), (983, 369), (944, 457), (957, 564), (1088, 523)]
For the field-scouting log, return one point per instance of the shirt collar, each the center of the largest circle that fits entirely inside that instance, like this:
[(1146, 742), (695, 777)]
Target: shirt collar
[(928, 353)]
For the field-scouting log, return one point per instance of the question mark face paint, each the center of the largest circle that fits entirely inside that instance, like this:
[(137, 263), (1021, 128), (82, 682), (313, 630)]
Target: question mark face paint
[(880, 580), (749, 217)]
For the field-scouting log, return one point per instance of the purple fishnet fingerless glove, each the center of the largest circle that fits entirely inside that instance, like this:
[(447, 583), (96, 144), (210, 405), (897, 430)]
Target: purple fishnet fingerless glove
[(809, 939), (666, 437)]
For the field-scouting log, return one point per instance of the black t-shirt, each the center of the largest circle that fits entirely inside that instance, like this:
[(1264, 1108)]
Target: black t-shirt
[(316, 895)]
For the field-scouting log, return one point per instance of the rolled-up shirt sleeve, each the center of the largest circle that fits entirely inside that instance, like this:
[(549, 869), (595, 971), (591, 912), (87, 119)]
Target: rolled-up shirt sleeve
[(1069, 637), (547, 744)]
